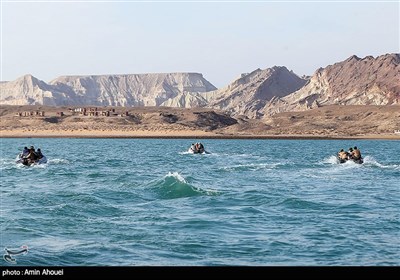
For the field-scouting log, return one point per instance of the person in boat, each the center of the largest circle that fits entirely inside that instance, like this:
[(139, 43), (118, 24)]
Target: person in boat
[(32, 157), (342, 155), (350, 153), (356, 154), (199, 148), (192, 147), (24, 153), (39, 153)]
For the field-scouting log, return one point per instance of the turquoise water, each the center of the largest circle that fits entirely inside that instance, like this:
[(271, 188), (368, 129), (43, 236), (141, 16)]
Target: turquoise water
[(249, 202)]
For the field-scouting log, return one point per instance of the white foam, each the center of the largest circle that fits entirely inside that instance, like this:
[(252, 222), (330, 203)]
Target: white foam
[(185, 153), (177, 176), (252, 166), (334, 160), (180, 178), (367, 160), (58, 161), (331, 160), (190, 153), (7, 161), (54, 244), (42, 165), (370, 160)]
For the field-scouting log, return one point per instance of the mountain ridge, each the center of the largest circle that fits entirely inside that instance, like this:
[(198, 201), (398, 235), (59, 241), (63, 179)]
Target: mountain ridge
[(354, 81), (257, 94)]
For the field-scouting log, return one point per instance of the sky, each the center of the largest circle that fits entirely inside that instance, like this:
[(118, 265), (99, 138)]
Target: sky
[(221, 40)]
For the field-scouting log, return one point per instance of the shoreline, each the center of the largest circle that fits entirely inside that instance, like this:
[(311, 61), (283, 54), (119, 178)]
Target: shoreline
[(176, 134)]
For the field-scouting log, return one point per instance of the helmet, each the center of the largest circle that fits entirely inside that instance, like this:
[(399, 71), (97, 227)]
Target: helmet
[(355, 147)]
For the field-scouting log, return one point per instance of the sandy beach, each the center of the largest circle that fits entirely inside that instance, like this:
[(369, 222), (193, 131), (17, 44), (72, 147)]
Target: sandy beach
[(21, 133)]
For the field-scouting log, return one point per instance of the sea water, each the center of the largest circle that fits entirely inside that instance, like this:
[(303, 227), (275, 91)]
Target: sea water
[(134, 202)]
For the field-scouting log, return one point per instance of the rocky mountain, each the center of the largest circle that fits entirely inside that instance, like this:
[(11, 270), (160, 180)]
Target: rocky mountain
[(249, 94), (29, 90), (354, 81), (246, 95), (105, 90)]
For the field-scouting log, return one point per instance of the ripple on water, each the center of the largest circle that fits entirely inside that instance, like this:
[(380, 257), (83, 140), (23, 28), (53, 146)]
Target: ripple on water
[(247, 203)]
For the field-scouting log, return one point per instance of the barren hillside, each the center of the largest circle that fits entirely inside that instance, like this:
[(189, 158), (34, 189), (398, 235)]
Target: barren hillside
[(328, 121)]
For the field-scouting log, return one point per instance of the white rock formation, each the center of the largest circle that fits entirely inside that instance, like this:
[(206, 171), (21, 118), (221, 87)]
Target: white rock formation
[(105, 90), (28, 90)]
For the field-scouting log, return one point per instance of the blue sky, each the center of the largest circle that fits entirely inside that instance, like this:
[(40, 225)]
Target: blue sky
[(221, 40)]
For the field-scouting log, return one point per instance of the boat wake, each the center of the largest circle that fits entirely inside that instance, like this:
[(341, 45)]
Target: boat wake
[(331, 160), (368, 161), (250, 167), (58, 161), (371, 161), (19, 165), (191, 153)]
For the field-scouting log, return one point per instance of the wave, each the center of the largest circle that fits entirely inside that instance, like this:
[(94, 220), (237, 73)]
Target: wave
[(334, 160), (54, 244), (185, 153), (330, 160), (297, 203), (190, 153), (174, 185), (240, 156), (369, 161), (58, 161), (14, 165), (250, 167), (10, 163)]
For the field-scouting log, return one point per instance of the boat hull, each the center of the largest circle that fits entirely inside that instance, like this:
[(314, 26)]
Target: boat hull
[(43, 160), (201, 151), (358, 161)]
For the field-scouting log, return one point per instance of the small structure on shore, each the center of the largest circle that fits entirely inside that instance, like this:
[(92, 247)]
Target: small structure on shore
[(30, 114)]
